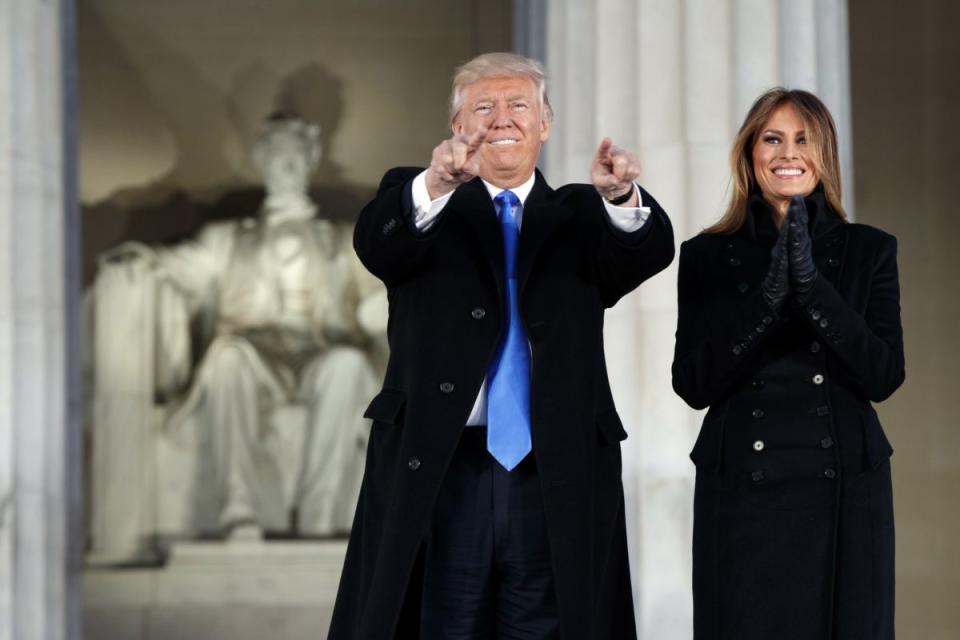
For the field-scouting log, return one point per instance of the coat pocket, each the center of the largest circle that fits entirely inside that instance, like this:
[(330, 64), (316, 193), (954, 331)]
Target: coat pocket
[(609, 427), (387, 407)]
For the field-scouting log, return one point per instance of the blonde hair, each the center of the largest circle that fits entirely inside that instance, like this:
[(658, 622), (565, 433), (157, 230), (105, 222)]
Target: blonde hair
[(821, 134), (499, 65)]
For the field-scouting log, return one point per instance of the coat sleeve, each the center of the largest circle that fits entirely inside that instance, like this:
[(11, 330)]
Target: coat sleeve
[(624, 260), (385, 238), (870, 345), (710, 351)]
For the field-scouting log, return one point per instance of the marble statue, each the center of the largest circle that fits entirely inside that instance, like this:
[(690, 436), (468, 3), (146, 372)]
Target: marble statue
[(289, 316)]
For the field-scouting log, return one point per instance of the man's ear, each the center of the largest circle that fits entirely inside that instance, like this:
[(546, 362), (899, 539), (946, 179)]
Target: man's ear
[(544, 129), (456, 126)]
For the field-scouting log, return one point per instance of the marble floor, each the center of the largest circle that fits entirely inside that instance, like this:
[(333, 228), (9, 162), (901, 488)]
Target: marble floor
[(215, 591)]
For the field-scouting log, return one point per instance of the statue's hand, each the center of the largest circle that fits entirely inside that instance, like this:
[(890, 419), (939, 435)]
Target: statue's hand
[(127, 253)]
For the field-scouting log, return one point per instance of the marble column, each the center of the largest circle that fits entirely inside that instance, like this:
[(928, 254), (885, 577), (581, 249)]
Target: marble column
[(40, 444), (672, 79)]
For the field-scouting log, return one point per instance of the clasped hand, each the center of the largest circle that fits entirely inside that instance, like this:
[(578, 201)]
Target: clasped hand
[(791, 260)]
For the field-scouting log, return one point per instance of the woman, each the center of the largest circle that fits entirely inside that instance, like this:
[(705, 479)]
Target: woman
[(789, 327)]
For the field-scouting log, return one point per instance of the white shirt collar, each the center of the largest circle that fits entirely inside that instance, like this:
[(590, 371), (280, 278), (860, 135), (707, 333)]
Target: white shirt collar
[(521, 191)]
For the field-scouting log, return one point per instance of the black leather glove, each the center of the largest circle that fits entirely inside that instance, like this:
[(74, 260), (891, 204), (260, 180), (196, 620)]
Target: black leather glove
[(803, 273), (776, 285)]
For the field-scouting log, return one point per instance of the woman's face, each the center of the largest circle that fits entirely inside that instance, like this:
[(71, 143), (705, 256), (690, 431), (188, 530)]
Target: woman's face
[(781, 158)]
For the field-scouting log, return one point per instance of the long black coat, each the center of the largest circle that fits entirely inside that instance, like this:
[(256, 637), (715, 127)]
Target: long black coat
[(793, 515), (446, 292)]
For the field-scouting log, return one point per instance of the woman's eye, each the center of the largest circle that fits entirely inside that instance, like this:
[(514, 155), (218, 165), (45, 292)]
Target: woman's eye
[(801, 140), (771, 140)]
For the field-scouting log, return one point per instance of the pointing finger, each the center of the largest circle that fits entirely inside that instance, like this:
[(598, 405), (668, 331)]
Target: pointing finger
[(475, 140), (604, 149)]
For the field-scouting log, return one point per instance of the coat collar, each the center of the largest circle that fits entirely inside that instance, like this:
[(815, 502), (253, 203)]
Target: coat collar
[(759, 220), (541, 216)]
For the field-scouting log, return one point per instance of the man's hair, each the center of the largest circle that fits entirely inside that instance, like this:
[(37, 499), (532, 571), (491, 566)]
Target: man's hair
[(499, 65)]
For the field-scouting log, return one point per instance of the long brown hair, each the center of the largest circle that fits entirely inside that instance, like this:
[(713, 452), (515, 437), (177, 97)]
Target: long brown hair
[(821, 134)]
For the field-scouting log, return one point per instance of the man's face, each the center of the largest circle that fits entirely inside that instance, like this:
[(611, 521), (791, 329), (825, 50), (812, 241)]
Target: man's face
[(509, 109)]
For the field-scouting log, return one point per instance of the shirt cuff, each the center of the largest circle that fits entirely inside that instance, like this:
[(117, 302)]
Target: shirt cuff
[(425, 210), (628, 219)]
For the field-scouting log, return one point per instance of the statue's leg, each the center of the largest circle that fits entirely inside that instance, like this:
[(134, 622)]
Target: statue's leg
[(240, 390), (337, 386)]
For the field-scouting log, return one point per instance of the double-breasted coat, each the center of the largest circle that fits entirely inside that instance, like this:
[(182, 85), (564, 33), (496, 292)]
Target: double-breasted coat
[(446, 292), (793, 516)]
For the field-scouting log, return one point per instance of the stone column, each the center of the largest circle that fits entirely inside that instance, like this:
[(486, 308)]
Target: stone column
[(40, 438), (672, 79)]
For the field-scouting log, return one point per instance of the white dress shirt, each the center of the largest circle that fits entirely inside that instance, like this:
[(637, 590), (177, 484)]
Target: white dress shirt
[(425, 212)]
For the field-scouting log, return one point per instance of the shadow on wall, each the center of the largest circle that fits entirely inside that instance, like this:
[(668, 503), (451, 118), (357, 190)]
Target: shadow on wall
[(172, 170)]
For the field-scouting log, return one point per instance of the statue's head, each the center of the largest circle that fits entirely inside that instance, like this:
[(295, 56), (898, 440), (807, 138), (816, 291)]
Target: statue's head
[(286, 153)]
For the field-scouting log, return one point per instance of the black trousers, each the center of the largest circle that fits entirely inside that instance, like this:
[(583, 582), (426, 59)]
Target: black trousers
[(487, 571)]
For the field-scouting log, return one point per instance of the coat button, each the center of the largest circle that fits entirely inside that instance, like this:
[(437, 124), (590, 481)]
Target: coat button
[(823, 411), (758, 445), (829, 474), (826, 443), (735, 262), (389, 226), (761, 328), (479, 313), (757, 413), (729, 246), (758, 383), (818, 379), (833, 262), (767, 320), (743, 287), (824, 323), (446, 387), (757, 476), (736, 350), (815, 314), (814, 347), (413, 463)]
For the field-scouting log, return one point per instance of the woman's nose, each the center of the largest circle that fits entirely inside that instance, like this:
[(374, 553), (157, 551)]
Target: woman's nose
[(790, 150)]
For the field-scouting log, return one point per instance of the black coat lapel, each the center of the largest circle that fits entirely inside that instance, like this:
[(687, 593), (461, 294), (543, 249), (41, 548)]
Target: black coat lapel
[(541, 215), (472, 202)]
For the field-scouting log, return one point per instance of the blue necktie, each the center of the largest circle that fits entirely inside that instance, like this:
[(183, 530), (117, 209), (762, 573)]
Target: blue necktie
[(508, 390)]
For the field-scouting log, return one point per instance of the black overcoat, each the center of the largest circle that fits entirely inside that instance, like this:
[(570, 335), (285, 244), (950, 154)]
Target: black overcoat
[(446, 293), (793, 515)]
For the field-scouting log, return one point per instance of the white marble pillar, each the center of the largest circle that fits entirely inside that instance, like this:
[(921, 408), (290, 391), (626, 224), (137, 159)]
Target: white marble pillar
[(40, 453), (673, 79)]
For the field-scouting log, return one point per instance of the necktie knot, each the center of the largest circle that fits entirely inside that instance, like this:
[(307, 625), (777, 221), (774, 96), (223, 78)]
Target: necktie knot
[(506, 202)]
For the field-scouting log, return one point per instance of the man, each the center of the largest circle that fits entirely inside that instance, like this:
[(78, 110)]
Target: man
[(492, 504)]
